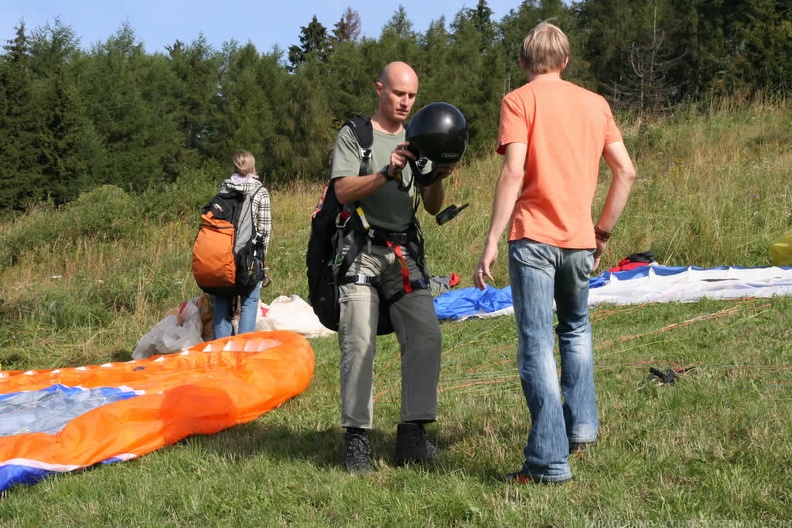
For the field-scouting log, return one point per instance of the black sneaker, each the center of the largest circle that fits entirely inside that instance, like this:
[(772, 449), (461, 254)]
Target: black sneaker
[(413, 445), (357, 451)]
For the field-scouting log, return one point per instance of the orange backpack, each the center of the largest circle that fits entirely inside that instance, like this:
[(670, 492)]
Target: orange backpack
[(228, 254)]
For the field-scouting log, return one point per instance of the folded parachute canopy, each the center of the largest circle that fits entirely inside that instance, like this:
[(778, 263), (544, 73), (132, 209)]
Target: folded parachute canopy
[(641, 285), (66, 419)]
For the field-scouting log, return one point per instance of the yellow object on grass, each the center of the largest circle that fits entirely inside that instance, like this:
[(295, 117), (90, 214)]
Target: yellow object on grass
[(781, 250)]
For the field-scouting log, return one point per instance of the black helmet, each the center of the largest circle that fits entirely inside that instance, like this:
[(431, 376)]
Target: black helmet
[(438, 131)]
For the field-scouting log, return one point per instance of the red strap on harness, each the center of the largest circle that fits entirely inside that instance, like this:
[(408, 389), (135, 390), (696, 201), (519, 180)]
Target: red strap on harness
[(405, 272)]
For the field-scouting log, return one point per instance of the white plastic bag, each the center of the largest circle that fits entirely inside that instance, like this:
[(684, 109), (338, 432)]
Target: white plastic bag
[(290, 313), (175, 332)]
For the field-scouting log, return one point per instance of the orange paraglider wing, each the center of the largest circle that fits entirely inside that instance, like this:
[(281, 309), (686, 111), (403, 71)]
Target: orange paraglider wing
[(65, 419)]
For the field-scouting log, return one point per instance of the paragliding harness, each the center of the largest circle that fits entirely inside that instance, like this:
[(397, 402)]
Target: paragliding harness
[(327, 263)]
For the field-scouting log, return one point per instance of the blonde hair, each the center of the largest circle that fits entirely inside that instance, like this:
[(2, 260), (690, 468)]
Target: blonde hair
[(244, 163), (545, 49)]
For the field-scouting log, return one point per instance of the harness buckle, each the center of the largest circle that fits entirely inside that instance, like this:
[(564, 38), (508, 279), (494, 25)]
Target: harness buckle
[(398, 238), (363, 279), (379, 236)]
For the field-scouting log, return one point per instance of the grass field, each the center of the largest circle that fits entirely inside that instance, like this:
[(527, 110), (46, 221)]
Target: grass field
[(80, 285)]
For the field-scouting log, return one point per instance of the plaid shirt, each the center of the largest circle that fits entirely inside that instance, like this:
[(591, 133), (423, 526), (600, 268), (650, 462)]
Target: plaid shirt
[(262, 214)]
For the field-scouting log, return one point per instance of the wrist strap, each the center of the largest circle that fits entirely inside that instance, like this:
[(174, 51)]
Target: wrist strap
[(384, 172), (600, 234)]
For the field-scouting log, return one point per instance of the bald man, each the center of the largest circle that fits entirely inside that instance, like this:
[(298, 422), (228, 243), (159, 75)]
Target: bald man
[(388, 277)]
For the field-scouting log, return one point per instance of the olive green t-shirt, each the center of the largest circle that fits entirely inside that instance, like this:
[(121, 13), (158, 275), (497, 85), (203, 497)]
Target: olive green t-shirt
[(388, 208)]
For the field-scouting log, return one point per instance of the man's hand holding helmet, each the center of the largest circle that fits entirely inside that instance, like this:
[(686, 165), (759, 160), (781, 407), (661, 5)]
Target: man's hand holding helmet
[(445, 170), (399, 158)]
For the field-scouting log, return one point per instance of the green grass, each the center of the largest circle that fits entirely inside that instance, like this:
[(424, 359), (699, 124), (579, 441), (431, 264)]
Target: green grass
[(712, 449)]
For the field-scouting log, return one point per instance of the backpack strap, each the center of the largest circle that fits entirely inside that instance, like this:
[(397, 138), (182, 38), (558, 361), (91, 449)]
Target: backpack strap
[(342, 261), (364, 134)]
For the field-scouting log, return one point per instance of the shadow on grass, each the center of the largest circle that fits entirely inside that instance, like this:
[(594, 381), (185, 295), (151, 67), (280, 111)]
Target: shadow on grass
[(324, 448)]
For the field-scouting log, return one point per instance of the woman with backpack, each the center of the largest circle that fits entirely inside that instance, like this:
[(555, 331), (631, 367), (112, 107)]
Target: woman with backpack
[(245, 180)]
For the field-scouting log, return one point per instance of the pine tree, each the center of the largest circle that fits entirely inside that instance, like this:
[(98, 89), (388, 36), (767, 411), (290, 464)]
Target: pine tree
[(21, 183), (66, 146), (313, 39), (126, 98), (195, 68), (347, 29)]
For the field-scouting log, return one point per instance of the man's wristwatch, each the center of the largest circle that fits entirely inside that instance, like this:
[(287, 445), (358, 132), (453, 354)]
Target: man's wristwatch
[(384, 172)]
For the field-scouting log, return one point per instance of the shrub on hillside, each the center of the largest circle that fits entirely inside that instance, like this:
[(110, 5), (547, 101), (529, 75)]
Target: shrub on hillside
[(184, 198), (106, 213)]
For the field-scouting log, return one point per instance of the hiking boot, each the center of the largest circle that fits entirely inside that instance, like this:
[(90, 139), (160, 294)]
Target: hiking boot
[(413, 445), (357, 451)]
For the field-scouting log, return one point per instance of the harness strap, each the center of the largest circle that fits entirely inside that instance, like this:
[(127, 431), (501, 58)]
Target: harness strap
[(365, 233), (405, 272), (343, 262), (363, 219), (382, 237)]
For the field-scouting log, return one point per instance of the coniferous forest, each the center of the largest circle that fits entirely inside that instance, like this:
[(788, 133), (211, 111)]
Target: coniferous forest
[(72, 119)]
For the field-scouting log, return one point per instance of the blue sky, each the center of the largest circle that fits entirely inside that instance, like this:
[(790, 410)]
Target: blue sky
[(159, 23)]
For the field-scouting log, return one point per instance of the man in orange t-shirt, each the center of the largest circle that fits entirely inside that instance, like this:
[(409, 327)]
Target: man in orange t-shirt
[(552, 135)]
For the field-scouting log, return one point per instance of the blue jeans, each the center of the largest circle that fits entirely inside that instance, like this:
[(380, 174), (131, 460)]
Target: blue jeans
[(247, 319), (566, 412)]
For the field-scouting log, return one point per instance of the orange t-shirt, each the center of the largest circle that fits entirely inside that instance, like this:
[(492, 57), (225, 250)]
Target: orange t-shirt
[(566, 128)]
